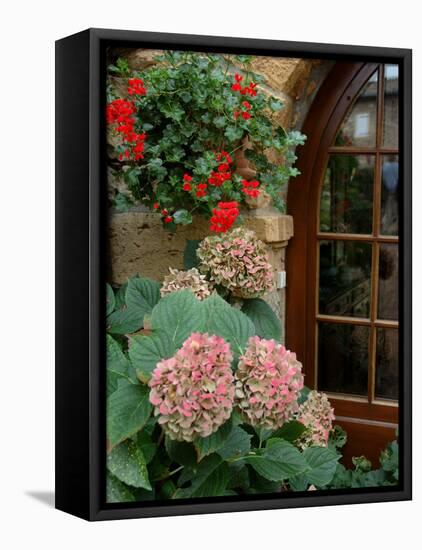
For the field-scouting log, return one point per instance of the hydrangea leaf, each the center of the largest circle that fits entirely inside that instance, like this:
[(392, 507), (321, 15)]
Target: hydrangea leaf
[(267, 324), (279, 461), (118, 366), (290, 431), (110, 299), (128, 409), (118, 491), (210, 479), (207, 445), (142, 294), (322, 464), (178, 315), (128, 464), (229, 323), (125, 321), (146, 351), (190, 259), (237, 444), (181, 452)]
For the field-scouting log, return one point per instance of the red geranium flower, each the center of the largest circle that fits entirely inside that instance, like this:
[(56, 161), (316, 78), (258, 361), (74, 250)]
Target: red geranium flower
[(136, 87), (224, 216)]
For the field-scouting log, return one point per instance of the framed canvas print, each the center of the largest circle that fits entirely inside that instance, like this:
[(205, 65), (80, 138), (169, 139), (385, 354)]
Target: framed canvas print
[(233, 274)]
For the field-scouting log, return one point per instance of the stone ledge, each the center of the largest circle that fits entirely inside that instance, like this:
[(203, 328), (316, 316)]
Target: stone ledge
[(273, 228)]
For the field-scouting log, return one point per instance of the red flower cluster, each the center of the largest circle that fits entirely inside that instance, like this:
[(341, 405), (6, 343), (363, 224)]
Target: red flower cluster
[(166, 217), (244, 90), (224, 216), (201, 190), (250, 188), (223, 173), (187, 179), (136, 87), (120, 112)]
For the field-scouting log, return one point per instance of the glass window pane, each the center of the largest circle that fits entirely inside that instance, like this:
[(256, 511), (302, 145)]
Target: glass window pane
[(343, 358), (346, 199), (388, 283), (387, 373), (390, 195), (391, 106), (345, 278), (359, 126)]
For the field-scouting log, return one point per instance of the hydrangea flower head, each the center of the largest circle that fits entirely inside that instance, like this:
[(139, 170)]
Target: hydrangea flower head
[(191, 279), (317, 415), (193, 391), (268, 381), (238, 261)]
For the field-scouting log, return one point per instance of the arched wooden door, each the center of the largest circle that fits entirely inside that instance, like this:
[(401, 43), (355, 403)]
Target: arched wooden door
[(342, 263)]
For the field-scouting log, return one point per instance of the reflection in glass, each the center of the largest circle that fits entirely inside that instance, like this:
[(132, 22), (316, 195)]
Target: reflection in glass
[(387, 367), (343, 358), (346, 198), (391, 106), (359, 126), (390, 195), (388, 283), (345, 278)]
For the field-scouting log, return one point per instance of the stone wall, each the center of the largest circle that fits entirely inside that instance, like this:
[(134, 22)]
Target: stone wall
[(137, 241)]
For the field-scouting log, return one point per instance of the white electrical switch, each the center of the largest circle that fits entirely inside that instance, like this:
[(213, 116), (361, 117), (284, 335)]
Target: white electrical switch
[(281, 279)]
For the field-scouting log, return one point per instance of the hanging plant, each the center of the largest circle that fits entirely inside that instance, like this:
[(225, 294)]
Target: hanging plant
[(189, 136)]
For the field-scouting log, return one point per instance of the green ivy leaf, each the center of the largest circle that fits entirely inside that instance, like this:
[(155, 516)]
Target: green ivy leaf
[(128, 409), (111, 301), (278, 461), (127, 463), (219, 121), (178, 315), (146, 351), (322, 464), (267, 324), (182, 217), (118, 491)]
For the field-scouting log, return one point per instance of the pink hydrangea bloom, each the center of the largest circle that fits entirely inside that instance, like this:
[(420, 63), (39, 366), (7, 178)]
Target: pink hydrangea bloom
[(317, 415), (237, 260), (191, 279), (268, 381), (193, 391)]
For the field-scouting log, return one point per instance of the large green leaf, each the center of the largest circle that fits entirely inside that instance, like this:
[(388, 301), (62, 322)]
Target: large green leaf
[(278, 461), (210, 479), (146, 351), (118, 366), (128, 409), (237, 444), (207, 445), (118, 491), (125, 321), (228, 322), (267, 324), (181, 452), (322, 464), (178, 315), (290, 431), (111, 301), (128, 464), (142, 294)]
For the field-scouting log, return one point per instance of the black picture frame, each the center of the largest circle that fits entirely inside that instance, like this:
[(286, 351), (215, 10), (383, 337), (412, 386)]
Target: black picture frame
[(80, 273)]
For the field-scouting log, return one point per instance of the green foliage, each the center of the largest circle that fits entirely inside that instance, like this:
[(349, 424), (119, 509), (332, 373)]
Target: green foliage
[(267, 324), (145, 464), (188, 113)]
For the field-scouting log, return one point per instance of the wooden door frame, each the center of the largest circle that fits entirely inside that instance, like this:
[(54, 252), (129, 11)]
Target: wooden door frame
[(326, 114)]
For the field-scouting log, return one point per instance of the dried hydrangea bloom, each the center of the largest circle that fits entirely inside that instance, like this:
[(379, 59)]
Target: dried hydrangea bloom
[(268, 381), (238, 261), (193, 391), (317, 415), (191, 279)]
